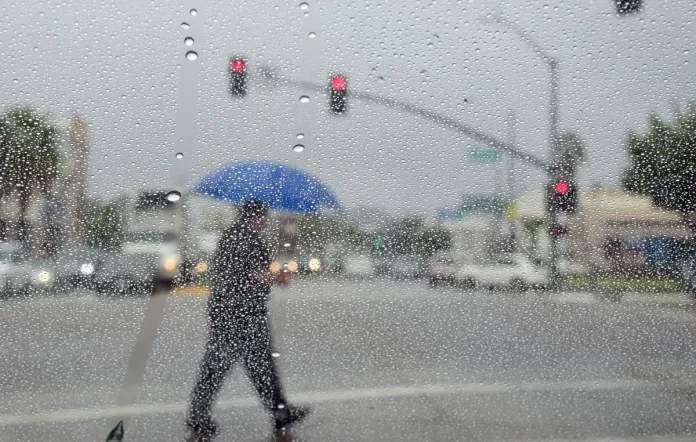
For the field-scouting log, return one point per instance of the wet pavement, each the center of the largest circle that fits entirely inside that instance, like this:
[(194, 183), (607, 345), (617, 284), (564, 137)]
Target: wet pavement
[(377, 360)]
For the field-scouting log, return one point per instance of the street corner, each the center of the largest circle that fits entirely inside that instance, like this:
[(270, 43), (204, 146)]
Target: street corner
[(190, 291)]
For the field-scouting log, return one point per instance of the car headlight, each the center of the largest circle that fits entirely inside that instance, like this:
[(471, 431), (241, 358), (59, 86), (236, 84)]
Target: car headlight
[(275, 267), (87, 268), (44, 276), (292, 266), (169, 264), (202, 267), (314, 264)]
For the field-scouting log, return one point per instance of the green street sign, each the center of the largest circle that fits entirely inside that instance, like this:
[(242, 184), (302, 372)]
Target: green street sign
[(379, 243), (486, 156)]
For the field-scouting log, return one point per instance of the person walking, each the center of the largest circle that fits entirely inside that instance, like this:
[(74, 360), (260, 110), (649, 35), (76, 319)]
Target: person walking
[(239, 324)]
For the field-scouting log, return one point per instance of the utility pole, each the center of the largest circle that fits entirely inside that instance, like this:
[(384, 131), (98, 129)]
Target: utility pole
[(512, 139)]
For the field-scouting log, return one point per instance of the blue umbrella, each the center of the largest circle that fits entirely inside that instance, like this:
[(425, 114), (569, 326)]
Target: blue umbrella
[(280, 186)]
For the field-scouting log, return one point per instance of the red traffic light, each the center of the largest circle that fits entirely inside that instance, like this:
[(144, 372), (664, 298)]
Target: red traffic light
[(338, 83), (238, 65), (561, 187)]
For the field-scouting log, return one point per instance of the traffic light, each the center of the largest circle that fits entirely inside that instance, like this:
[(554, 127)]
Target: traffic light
[(628, 6), (238, 76), (562, 196), (338, 94)]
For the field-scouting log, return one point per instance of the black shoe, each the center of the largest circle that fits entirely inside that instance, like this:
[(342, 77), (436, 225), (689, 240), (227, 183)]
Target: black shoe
[(202, 427), (288, 416)]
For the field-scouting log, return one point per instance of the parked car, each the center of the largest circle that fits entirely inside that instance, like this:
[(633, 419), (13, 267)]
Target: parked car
[(358, 266), (405, 267), (515, 271), (67, 271), (443, 268), (122, 274)]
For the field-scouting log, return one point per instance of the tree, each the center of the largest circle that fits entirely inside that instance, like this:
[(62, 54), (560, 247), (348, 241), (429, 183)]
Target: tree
[(663, 163), (28, 158), (663, 166), (105, 225)]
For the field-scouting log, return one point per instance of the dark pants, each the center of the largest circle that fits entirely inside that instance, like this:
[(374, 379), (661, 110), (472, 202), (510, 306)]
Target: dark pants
[(234, 335)]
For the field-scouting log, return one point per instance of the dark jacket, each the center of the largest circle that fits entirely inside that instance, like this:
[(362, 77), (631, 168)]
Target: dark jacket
[(240, 256)]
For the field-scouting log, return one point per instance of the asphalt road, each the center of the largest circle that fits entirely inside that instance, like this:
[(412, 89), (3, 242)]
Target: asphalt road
[(377, 360)]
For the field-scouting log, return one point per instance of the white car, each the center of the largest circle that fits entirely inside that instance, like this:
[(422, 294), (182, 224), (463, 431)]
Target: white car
[(515, 271), (358, 266), (443, 268)]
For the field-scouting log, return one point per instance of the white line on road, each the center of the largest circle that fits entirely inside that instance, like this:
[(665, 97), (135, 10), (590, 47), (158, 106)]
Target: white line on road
[(671, 438), (330, 396)]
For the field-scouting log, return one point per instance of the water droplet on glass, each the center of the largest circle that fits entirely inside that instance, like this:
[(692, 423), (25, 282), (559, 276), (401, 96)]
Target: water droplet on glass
[(306, 14), (304, 99), (281, 406), (298, 147), (285, 266), (179, 156), (174, 196), (185, 25), (300, 136), (191, 55), (193, 12), (188, 41), (287, 244), (275, 354), (304, 6), (312, 34)]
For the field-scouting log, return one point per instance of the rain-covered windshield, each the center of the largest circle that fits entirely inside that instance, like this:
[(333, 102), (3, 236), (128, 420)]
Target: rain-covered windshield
[(358, 220)]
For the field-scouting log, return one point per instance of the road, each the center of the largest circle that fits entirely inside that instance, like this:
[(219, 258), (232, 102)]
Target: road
[(377, 360)]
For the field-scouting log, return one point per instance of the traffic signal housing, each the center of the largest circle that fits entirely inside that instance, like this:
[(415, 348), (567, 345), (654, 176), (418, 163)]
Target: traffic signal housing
[(338, 94), (562, 197), (628, 6), (238, 76)]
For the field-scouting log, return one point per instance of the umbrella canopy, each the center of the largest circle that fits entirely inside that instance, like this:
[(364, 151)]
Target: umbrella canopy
[(280, 186)]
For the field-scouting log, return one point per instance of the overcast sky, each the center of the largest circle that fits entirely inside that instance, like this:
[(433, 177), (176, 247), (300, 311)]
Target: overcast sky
[(117, 64)]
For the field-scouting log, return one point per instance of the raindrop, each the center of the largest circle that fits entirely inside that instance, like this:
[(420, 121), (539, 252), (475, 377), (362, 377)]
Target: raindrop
[(194, 12), (300, 136), (285, 267), (179, 155), (306, 14), (304, 6), (298, 147), (185, 25), (281, 406), (188, 41), (192, 55), (312, 34), (304, 99), (287, 244), (174, 196), (275, 354)]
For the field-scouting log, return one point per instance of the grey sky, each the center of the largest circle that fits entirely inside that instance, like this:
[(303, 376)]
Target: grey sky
[(116, 64)]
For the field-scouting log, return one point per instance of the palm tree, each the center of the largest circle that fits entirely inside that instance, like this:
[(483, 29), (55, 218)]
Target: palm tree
[(28, 158)]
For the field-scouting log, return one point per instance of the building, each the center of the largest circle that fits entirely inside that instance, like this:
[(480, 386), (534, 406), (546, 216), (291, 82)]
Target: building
[(612, 230)]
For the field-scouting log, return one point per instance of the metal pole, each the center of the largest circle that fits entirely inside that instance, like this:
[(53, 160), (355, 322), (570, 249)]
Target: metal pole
[(554, 161)]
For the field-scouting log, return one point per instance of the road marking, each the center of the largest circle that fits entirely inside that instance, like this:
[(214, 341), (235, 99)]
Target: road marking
[(574, 298), (387, 392), (671, 438)]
